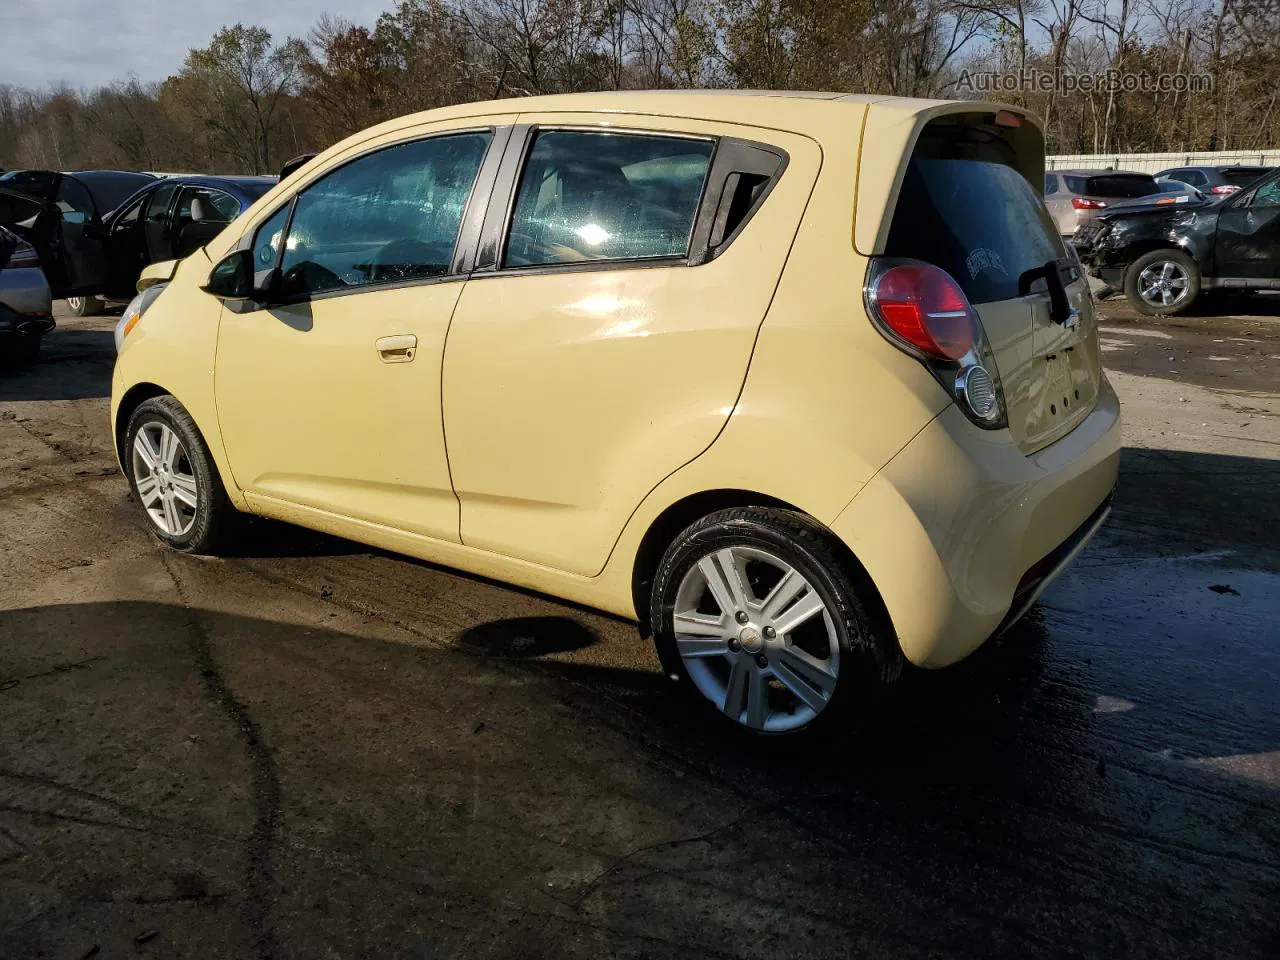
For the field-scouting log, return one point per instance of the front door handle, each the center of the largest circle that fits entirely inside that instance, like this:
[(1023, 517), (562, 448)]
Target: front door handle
[(398, 349)]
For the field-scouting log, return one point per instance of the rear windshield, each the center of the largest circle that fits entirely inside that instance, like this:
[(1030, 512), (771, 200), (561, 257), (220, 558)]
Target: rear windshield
[(965, 209), (1116, 185), (1243, 176)]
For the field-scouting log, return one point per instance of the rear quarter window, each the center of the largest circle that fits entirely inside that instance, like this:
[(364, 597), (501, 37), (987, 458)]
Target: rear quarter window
[(964, 209)]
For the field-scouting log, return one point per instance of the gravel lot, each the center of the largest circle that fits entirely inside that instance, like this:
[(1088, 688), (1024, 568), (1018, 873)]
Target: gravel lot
[(313, 750)]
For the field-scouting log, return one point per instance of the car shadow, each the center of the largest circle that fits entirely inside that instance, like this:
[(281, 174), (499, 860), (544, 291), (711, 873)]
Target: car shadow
[(261, 538), (73, 364), (520, 638), (990, 810)]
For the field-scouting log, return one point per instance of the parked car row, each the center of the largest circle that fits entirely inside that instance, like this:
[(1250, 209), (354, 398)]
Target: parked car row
[(1216, 181), (1164, 239), (1165, 258), (86, 236)]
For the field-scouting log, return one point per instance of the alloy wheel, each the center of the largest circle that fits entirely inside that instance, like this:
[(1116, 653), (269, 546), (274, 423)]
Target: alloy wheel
[(1163, 283), (164, 478), (756, 639)]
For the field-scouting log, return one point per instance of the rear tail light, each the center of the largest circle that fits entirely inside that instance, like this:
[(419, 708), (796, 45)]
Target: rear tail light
[(927, 309), (24, 255), (1083, 203), (1225, 188), (920, 309)]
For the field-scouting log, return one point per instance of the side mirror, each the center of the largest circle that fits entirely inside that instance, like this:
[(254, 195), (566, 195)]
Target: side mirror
[(232, 277)]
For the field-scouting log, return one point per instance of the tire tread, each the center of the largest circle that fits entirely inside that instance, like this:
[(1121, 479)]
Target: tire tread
[(877, 646), (214, 524)]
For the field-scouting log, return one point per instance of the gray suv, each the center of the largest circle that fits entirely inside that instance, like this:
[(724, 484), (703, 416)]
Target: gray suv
[(1075, 197)]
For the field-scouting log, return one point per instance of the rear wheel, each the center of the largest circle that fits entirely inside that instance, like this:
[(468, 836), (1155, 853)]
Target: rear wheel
[(84, 306), (174, 479), (757, 613), (1162, 282)]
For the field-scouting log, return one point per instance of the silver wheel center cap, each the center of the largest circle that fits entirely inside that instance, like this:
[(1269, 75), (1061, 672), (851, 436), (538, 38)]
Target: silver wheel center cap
[(750, 639)]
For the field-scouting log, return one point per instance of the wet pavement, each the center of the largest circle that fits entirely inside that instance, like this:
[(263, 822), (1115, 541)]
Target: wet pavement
[(313, 750)]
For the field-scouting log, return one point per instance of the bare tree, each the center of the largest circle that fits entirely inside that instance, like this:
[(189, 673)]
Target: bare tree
[(235, 88)]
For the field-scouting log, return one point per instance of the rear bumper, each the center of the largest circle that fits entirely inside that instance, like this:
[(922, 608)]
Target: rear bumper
[(15, 324), (24, 290), (960, 531)]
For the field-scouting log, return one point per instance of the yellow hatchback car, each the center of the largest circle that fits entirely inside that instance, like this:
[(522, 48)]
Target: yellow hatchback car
[(805, 383)]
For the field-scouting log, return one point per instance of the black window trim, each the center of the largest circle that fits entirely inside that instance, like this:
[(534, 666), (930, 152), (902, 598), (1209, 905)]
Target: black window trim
[(724, 152), (207, 188), (465, 246), (124, 208)]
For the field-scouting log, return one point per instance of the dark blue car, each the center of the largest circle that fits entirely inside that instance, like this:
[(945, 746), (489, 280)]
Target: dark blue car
[(93, 243)]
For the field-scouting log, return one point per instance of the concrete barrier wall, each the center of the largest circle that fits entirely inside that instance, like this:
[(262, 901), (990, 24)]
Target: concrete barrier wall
[(1155, 162)]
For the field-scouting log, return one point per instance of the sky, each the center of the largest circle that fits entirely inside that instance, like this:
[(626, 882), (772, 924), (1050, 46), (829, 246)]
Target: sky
[(87, 43)]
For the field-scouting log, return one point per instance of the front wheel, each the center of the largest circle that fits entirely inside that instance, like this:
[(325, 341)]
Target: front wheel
[(759, 615), (1162, 282), (174, 479), (84, 306)]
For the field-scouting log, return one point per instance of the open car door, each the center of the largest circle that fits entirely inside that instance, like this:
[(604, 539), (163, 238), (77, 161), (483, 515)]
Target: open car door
[(56, 214)]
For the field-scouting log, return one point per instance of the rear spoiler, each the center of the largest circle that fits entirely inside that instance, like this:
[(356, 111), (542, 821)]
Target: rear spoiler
[(894, 125)]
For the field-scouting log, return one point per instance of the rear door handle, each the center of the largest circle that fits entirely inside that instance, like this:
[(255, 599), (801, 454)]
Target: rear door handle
[(397, 349)]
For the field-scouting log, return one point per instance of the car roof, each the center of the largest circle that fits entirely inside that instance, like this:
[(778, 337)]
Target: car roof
[(1220, 167), (244, 189), (107, 188), (110, 188), (1095, 172), (812, 113), (244, 185)]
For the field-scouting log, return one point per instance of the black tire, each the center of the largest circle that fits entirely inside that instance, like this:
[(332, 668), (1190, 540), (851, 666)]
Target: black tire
[(85, 306), (870, 659), (1189, 268), (19, 352), (214, 516)]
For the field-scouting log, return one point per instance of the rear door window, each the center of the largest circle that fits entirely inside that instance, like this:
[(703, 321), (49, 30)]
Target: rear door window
[(606, 196), (963, 208), (1121, 186)]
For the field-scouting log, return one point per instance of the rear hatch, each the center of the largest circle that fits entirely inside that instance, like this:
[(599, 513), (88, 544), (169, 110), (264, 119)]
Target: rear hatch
[(1241, 177), (1109, 188), (966, 205)]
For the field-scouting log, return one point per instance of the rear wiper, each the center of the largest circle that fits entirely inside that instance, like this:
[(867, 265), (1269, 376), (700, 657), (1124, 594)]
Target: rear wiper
[(1059, 306)]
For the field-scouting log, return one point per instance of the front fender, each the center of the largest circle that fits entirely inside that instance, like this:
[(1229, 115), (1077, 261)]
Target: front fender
[(154, 273), (171, 350)]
